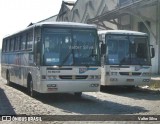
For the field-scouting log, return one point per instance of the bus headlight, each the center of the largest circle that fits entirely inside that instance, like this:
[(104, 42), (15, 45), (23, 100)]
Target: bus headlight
[(94, 77), (113, 79), (114, 73), (107, 73), (43, 77), (94, 85), (146, 80), (52, 77), (49, 77), (91, 76), (146, 74), (97, 76)]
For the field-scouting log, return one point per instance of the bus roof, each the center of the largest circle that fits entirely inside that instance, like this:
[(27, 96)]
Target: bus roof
[(124, 32), (66, 24), (58, 24)]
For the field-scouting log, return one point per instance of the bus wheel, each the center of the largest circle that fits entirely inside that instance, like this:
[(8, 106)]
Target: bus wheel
[(8, 79), (131, 87), (78, 94), (30, 88)]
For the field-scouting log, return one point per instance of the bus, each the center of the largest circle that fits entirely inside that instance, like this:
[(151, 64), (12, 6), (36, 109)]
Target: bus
[(127, 60), (53, 57)]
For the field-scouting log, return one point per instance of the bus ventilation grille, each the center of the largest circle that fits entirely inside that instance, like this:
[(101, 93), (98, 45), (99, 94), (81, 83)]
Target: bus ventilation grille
[(130, 73), (73, 77)]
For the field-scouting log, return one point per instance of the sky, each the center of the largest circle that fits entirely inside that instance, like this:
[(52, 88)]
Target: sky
[(16, 15)]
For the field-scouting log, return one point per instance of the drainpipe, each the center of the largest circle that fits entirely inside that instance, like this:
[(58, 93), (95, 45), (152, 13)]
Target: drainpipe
[(158, 33)]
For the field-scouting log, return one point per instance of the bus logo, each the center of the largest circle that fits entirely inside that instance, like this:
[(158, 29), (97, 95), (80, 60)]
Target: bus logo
[(83, 70)]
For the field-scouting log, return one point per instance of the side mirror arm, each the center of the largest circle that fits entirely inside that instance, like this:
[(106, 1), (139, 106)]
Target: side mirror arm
[(152, 51)]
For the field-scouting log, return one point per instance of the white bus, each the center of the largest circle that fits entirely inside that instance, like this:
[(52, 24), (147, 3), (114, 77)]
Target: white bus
[(127, 60), (53, 58)]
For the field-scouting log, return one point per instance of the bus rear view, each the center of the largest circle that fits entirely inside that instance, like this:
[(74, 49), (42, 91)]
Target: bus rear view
[(127, 61)]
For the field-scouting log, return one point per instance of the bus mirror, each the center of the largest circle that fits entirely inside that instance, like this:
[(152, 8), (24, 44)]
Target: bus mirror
[(153, 52), (101, 41), (38, 45), (38, 39), (103, 49)]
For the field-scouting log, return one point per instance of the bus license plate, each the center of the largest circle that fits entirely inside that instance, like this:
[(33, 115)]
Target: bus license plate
[(130, 80)]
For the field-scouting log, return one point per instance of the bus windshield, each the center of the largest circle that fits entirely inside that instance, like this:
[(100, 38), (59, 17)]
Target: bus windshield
[(127, 50), (66, 47)]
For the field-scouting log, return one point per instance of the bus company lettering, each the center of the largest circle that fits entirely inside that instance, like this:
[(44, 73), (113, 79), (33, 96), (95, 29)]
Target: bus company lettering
[(75, 47), (81, 47), (53, 71)]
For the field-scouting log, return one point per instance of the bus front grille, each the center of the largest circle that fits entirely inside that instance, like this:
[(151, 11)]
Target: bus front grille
[(72, 77), (130, 73)]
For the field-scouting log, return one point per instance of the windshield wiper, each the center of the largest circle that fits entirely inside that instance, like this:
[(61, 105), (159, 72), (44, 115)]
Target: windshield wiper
[(93, 54), (66, 58)]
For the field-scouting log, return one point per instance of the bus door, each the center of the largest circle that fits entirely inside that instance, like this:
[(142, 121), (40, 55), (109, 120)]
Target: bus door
[(18, 69)]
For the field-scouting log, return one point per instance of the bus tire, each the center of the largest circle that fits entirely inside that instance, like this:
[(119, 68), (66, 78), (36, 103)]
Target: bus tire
[(132, 87), (30, 88), (78, 94), (8, 79)]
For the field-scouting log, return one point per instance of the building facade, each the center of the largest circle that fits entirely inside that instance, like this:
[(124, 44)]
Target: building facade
[(83, 10), (137, 15)]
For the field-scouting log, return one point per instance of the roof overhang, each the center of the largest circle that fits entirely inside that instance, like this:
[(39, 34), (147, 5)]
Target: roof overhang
[(122, 10)]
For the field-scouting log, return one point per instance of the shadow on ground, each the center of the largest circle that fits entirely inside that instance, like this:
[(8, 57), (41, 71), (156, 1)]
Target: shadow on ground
[(5, 105), (87, 104), (133, 92)]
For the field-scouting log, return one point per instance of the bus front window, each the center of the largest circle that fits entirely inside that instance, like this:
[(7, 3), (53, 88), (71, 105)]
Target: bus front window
[(56, 48), (70, 47), (139, 50), (126, 50), (85, 47)]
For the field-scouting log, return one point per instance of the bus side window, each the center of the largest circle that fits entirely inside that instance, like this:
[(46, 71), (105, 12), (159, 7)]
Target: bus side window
[(16, 43), (4, 46), (12, 44), (29, 40), (23, 41), (8, 45), (37, 46)]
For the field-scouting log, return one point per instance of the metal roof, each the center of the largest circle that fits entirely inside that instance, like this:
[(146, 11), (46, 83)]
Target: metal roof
[(124, 32)]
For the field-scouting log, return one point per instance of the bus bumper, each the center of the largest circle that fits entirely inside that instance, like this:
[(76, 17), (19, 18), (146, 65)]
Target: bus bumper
[(127, 81), (68, 86)]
